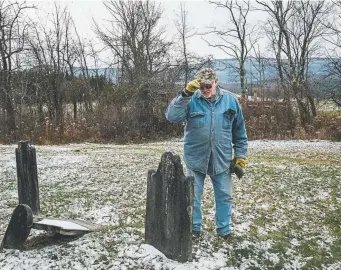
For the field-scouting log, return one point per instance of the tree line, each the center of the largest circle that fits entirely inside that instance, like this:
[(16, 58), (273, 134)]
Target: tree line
[(51, 86)]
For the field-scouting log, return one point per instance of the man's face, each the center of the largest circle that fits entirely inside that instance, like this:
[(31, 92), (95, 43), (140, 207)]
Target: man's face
[(208, 90)]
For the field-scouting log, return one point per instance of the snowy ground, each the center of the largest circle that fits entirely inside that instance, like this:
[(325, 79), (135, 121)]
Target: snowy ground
[(287, 209)]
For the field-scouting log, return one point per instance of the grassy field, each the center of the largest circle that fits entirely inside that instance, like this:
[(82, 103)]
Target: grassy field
[(287, 208)]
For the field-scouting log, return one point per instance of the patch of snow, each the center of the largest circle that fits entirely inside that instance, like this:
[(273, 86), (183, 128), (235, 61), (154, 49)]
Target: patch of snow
[(323, 195), (242, 227), (294, 242)]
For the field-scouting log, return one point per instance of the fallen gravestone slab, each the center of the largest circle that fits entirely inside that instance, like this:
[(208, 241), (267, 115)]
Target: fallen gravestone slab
[(22, 221), (64, 226)]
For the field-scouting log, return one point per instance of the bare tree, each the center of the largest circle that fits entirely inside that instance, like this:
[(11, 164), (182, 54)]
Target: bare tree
[(332, 82), (188, 62), (13, 37), (185, 32), (274, 32), (274, 28), (260, 63), (236, 38), (55, 53), (135, 38), (299, 28)]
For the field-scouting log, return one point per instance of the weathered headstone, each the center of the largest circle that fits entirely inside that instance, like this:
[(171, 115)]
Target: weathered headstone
[(18, 228), (27, 174), (168, 225)]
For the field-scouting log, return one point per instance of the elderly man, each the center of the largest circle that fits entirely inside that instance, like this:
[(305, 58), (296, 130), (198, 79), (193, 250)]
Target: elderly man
[(214, 125)]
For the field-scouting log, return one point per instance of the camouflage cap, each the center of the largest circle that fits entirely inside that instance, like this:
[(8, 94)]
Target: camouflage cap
[(206, 76)]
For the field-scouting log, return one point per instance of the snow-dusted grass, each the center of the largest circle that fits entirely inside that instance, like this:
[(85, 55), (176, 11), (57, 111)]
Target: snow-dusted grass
[(287, 208)]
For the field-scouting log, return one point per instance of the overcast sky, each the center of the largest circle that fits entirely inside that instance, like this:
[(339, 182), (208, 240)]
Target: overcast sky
[(201, 14)]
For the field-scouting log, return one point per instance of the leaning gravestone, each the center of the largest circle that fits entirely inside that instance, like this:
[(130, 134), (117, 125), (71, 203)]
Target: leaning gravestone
[(28, 189), (18, 228), (168, 225)]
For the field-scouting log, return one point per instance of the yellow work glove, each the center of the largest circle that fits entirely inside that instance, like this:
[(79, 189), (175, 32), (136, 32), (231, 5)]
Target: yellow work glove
[(191, 88), (237, 166), (241, 162)]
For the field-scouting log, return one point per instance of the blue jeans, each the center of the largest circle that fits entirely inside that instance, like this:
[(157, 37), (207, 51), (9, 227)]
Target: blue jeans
[(222, 185)]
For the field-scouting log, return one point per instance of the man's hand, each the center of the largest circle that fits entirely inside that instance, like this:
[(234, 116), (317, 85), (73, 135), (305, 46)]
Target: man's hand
[(241, 162), (191, 88), (237, 166)]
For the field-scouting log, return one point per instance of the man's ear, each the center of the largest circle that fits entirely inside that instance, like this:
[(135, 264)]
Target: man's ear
[(216, 80)]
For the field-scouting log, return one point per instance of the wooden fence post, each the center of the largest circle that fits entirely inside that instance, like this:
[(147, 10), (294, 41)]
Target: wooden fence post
[(27, 174)]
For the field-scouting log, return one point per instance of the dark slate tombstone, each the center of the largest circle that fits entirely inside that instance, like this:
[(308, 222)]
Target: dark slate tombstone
[(168, 225), (18, 228), (28, 189)]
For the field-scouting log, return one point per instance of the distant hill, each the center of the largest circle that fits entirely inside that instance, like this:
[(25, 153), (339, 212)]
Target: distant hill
[(227, 73), (109, 73)]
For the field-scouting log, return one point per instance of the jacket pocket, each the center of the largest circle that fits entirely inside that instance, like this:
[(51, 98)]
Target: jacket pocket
[(196, 119), (228, 117)]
